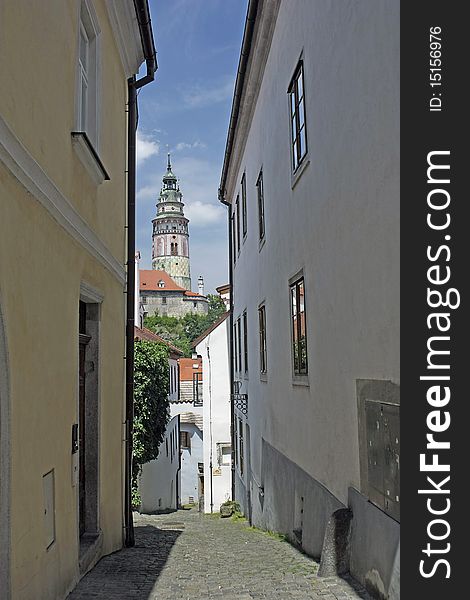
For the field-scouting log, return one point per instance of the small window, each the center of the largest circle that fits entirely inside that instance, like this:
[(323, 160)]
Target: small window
[(297, 116), (234, 239), (87, 93), (163, 299), (235, 349), (237, 204), (241, 449), (197, 389), (245, 342), (260, 191), (185, 439), (262, 338), (244, 215), (239, 345), (224, 454), (299, 330)]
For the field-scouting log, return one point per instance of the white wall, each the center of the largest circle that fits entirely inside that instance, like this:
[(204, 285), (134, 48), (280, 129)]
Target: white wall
[(216, 393), (339, 223), (189, 477), (158, 481)]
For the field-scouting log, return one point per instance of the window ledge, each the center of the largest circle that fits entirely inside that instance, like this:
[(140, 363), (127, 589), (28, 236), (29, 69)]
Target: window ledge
[(89, 157), (299, 172), (301, 380), (262, 243), (263, 377)]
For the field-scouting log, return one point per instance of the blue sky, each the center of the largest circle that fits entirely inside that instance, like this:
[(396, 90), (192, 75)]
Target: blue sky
[(187, 108)]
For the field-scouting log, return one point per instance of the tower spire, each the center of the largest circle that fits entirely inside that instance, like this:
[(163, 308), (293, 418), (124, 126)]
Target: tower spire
[(169, 162)]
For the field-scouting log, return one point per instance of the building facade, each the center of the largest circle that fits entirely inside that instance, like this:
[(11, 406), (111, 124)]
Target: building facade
[(311, 178), (213, 347), (160, 295), (63, 160), (189, 408), (159, 480)]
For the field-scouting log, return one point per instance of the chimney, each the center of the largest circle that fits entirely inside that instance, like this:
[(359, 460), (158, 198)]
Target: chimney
[(200, 285)]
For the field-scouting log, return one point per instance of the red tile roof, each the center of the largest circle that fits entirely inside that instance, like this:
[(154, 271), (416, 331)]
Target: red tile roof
[(149, 280), (150, 336), (187, 369)]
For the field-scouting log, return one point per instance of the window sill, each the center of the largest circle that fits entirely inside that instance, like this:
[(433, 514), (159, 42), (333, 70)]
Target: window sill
[(263, 377), (89, 157), (261, 244), (301, 380), (299, 172), (245, 376)]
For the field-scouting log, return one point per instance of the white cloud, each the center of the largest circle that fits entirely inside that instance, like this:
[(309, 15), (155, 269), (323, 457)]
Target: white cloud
[(146, 147), (189, 146), (201, 214), (199, 96)]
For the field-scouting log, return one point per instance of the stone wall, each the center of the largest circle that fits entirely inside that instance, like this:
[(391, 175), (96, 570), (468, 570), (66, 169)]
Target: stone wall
[(172, 304)]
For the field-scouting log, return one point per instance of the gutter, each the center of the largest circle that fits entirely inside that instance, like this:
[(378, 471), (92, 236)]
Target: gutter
[(148, 45), (237, 95)]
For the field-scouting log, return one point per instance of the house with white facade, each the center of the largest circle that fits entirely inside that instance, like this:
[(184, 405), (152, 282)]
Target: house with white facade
[(159, 480), (311, 182), (213, 347), (189, 407)]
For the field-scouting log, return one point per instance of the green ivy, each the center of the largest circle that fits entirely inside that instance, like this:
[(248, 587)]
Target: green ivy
[(151, 406)]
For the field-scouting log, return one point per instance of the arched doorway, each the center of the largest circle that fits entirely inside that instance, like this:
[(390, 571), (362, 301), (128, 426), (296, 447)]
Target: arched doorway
[(4, 465)]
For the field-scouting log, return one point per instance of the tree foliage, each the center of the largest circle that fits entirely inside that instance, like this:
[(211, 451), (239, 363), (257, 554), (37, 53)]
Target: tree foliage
[(151, 406), (182, 331)]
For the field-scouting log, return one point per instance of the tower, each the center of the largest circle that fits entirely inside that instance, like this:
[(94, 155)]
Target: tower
[(170, 236)]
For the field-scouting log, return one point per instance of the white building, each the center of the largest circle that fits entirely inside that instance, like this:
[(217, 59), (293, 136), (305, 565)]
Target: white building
[(213, 347), (311, 177), (158, 484), (189, 408)]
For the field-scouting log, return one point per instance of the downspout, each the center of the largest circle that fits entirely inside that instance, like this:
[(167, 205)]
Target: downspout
[(148, 45), (233, 441)]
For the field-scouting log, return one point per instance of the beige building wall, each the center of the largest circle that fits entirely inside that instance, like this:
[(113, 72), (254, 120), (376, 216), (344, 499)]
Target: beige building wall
[(59, 230)]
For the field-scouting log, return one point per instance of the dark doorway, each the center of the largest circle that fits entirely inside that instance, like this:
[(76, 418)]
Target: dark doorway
[(83, 342)]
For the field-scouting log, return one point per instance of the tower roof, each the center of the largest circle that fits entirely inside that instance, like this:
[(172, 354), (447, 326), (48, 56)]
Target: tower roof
[(169, 175)]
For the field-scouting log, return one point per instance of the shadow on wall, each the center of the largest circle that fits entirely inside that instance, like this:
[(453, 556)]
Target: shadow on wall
[(131, 572)]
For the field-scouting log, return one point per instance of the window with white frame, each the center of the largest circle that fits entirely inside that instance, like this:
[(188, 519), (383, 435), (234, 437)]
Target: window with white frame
[(297, 115), (87, 94)]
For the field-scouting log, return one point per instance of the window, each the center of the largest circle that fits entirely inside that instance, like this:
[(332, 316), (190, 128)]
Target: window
[(239, 345), (235, 437), (174, 249), (87, 93), (260, 190), (244, 215), (297, 115), (185, 439), (241, 454), (262, 338), (224, 454), (197, 389), (299, 332), (237, 204), (245, 342), (163, 299), (234, 239)]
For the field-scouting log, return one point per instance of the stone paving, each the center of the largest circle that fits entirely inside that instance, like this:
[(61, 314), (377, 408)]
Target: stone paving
[(189, 556)]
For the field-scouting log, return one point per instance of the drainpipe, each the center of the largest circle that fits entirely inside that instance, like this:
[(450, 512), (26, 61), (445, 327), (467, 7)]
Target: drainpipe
[(233, 441), (148, 45)]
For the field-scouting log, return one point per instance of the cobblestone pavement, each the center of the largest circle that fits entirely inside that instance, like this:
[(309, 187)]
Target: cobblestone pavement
[(188, 556)]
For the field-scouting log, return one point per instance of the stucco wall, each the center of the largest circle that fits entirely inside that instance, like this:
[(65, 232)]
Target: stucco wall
[(159, 479), (177, 305), (41, 269), (337, 223), (216, 412)]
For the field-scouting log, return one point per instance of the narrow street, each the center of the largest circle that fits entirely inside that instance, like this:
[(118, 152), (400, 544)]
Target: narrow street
[(188, 556)]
